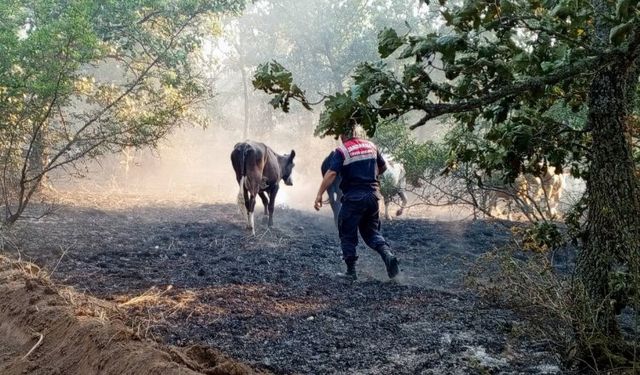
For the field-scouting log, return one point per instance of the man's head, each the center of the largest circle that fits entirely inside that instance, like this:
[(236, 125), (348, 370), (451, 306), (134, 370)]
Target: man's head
[(356, 131)]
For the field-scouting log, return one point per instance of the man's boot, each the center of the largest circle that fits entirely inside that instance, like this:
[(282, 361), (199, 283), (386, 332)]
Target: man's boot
[(390, 261), (351, 268)]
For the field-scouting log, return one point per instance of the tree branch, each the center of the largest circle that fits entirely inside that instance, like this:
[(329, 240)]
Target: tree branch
[(519, 88)]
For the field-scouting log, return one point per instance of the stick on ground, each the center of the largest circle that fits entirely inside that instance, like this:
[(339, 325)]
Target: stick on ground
[(34, 347)]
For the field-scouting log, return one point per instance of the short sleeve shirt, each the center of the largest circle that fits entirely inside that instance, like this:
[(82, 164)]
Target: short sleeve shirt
[(357, 161)]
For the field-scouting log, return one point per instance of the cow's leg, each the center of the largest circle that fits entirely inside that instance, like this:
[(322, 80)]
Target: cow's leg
[(335, 208), (334, 201), (553, 208), (553, 202), (241, 199), (246, 201), (265, 202), (250, 204), (403, 204), (272, 203), (251, 207), (492, 203)]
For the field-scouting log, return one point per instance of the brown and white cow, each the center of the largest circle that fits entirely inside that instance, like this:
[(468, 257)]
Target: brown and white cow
[(334, 191), (258, 172)]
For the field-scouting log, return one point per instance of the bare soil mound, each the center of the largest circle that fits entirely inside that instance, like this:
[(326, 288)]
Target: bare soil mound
[(46, 330)]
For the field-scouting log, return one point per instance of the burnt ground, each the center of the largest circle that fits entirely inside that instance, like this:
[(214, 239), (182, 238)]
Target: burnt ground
[(276, 301)]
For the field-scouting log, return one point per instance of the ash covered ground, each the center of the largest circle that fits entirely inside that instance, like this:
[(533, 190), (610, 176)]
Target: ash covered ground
[(189, 273)]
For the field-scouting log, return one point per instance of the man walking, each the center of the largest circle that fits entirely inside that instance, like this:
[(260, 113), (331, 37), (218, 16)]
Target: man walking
[(359, 163)]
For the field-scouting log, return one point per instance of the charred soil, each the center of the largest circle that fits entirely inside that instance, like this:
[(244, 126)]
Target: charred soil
[(188, 274)]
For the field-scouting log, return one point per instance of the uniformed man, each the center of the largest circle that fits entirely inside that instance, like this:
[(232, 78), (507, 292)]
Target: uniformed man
[(359, 163)]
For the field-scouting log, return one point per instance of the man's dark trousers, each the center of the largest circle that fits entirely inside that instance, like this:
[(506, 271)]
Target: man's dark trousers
[(359, 211)]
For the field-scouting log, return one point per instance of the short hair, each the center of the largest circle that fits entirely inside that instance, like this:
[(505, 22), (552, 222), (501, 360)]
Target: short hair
[(359, 132)]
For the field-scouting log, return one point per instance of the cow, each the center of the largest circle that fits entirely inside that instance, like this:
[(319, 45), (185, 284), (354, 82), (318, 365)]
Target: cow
[(392, 184), (551, 188), (523, 191), (258, 172), (334, 192), (534, 193)]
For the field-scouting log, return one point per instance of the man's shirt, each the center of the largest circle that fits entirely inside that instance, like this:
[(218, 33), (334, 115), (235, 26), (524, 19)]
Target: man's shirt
[(357, 161)]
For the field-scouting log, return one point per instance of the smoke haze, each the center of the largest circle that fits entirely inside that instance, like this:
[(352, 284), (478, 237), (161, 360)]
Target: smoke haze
[(321, 45)]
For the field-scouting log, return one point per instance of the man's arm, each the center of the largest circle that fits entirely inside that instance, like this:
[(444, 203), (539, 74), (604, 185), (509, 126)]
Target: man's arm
[(327, 180), (382, 169), (381, 163)]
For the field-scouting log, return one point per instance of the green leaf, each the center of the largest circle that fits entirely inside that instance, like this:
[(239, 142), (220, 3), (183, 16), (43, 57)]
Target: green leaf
[(618, 33), (622, 9), (548, 66), (507, 6), (388, 42), (447, 16), (356, 92), (449, 41), (561, 11)]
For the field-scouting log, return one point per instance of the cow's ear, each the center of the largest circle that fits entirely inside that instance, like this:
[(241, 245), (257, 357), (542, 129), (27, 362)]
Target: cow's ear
[(292, 155)]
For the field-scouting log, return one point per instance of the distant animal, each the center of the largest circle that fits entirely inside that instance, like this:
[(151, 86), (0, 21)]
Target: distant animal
[(523, 192), (258, 172), (551, 188), (334, 192), (393, 183), (539, 193)]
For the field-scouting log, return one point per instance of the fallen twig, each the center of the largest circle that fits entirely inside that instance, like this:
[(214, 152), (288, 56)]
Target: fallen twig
[(34, 347)]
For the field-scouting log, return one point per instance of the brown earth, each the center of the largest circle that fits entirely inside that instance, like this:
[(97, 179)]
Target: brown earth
[(49, 330)]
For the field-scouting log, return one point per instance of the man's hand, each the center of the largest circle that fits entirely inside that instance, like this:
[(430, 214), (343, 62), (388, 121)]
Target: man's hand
[(327, 180), (318, 203)]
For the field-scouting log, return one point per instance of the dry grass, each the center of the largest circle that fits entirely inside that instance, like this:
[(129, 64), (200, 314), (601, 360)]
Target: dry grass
[(554, 308), (121, 199), (156, 307), (529, 285)]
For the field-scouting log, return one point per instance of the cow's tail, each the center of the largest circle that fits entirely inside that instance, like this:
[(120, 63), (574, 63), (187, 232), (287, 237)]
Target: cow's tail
[(241, 201), (242, 204)]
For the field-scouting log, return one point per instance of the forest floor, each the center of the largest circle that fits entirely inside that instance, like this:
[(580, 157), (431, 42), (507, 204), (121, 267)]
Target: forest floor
[(186, 273)]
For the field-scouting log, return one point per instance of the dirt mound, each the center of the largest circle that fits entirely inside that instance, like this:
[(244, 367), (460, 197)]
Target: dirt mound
[(46, 330)]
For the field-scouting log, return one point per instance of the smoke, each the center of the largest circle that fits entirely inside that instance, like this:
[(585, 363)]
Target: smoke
[(316, 40), (194, 164)]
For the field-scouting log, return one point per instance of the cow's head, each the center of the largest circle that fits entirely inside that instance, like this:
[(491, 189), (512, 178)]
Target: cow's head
[(287, 169)]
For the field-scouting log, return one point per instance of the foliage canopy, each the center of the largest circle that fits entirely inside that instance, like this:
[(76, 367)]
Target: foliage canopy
[(82, 78)]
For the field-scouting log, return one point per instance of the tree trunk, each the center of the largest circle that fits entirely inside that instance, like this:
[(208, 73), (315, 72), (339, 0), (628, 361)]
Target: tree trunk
[(613, 222), (245, 93), (38, 158)]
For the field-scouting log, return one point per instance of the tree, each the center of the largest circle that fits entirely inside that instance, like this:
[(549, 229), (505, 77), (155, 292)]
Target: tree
[(320, 41), (510, 66), (79, 79)]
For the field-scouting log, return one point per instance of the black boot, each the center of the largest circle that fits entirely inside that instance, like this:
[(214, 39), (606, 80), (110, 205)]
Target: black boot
[(390, 261), (351, 268)]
